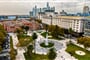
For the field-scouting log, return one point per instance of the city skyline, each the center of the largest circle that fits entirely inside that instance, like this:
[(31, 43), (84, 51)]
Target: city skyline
[(23, 8)]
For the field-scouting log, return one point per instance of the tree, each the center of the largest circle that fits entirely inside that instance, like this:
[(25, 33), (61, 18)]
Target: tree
[(39, 21), (46, 27), (51, 28), (13, 54), (52, 54), (2, 30), (81, 40), (85, 41), (22, 27), (29, 51), (70, 31), (34, 37), (26, 28), (0, 48), (57, 31), (61, 31), (2, 38), (19, 31)]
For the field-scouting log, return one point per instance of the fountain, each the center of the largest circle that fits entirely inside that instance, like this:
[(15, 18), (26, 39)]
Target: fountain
[(43, 45), (46, 43), (46, 40)]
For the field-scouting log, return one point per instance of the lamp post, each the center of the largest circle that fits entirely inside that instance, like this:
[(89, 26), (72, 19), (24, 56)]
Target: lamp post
[(51, 19), (51, 22)]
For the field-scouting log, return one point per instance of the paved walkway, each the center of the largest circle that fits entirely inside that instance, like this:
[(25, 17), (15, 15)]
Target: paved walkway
[(20, 50), (80, 45), (61, 54)]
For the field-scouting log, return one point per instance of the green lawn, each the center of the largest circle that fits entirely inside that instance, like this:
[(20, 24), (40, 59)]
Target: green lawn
[(44, 35), (71, 48), (11, 43), (36, 57), (12, 52), (24, 40)]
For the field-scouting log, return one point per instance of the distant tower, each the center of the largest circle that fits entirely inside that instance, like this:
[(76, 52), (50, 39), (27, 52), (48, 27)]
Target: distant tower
[(86, 9), (48, 5), (35, 11)]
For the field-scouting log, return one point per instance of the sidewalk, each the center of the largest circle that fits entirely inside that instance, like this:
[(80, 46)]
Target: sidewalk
[(61, 54), (20, 50)]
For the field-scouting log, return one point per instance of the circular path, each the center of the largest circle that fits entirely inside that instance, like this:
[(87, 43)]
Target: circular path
[(41, 50)]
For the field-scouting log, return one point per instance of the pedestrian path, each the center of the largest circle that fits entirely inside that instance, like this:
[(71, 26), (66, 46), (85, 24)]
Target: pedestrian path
[(61, 54), (20, 50)]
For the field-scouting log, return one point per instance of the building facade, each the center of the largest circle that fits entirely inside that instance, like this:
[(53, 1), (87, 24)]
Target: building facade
[(12, 25), (74, 22), (48, 10), (87, 27)]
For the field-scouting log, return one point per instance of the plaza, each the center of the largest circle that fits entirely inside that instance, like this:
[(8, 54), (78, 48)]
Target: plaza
[(46, 33), (60, 48)]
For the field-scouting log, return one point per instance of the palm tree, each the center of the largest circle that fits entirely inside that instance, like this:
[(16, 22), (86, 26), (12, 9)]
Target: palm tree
[(34, 37)]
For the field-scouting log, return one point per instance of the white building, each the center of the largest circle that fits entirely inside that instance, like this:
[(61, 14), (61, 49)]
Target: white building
[(74, 22)]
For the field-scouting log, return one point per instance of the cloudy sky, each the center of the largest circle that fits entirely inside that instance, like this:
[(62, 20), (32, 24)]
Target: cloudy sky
[(13, 7)]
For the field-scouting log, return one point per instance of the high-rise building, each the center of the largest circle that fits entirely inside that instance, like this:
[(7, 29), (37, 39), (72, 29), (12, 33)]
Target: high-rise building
[(34, 12), (47, 10), (86, 9)]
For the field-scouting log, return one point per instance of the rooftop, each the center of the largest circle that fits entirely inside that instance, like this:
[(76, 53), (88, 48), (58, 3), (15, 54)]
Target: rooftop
[(67, 17), (71, 17)]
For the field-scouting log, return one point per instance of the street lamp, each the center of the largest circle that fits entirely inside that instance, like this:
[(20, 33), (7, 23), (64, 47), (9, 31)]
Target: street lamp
[(51, 19), (51, 22)]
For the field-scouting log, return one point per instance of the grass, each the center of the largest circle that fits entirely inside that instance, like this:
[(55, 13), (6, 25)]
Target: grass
[(44, 35), (24, 40), (36, 57), (11, 43), (71, 48), (29, 55), (47, 46), (13, 52)]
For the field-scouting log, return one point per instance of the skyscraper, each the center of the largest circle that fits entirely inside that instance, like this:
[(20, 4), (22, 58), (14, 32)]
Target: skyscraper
[(47, 10), (86, 9)]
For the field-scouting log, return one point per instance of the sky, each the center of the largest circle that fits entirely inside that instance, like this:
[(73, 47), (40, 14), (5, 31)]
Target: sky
[(23, 7)]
